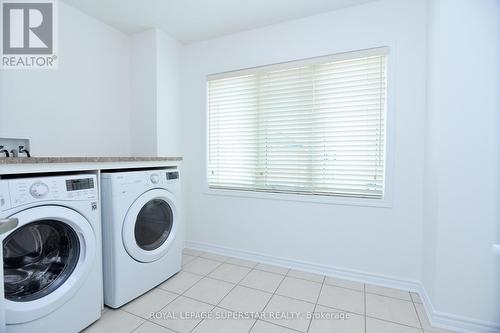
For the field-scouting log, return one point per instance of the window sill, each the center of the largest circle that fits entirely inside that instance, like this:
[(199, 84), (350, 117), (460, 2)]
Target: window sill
[(319, 199)]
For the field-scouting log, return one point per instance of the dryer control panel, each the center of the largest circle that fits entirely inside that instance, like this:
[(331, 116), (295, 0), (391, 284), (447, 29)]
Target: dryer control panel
[(126, 182), (17, 192), (148, 178), (161, 177)]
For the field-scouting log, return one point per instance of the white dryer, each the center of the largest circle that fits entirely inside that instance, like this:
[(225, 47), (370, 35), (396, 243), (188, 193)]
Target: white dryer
[(142, 238), (52, 259)]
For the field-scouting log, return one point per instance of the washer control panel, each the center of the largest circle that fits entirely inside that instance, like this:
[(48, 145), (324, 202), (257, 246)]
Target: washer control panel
[(17, 192)]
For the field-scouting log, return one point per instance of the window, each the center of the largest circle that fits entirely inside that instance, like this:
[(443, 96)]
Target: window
[(312, 127)]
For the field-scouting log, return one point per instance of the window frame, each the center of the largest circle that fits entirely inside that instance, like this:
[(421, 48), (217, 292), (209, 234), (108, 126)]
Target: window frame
[(387, 199)]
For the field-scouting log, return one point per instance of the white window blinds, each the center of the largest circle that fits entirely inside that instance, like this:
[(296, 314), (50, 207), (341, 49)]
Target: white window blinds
[(308, 127)]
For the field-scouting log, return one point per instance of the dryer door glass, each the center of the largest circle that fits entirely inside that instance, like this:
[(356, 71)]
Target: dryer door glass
[(153, 225), (38, 258)]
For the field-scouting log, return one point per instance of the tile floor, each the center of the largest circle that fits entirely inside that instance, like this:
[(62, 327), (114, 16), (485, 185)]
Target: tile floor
[(220, 287)]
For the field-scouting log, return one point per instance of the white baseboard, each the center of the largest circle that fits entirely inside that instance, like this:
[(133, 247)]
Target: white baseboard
[(453, 322), (360, 276), (437, 319)]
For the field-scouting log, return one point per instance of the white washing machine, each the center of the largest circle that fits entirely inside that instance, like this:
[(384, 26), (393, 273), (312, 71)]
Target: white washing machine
[(52, 258), (142, 231)]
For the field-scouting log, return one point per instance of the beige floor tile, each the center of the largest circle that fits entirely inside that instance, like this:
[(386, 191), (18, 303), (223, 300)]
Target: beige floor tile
[(262, 280), (390, 292), (391, 309), (214, 256), (224, 322), (245, 300), (422, 315), (209, 290), (115, 321), (306, 275), (342, 299), (424, 320), (172, 316), (264, 327), (152, 301), (380, 326), (192, 252), (280, 305), (298, 288), (242, 262), (186, 258), (180, 282), (272, 269), (415, 297), (149, 327), (230, 273), (329, 320), (201, 266), (332, 281)]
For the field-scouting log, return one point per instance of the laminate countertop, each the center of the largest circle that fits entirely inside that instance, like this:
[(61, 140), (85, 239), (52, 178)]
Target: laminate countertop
[(37, 160), (25, 165)]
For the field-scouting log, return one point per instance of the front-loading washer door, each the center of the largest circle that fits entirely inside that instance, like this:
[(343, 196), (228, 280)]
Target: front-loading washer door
[(150, 225), (45, 261)]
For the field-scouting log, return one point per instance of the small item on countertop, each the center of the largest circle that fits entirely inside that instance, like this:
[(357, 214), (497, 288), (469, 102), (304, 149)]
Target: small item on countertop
[(14, 153), (4, 151), (23, 150)]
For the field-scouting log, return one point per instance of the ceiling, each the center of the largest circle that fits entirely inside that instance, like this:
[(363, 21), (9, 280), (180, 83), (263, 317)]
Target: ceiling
[(194, 20)]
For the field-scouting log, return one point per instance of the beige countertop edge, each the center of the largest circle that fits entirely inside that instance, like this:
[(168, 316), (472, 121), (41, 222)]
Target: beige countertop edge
[(56, 160)]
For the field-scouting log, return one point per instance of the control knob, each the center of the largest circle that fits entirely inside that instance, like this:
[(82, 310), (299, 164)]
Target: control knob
[(155, 178), (39, 190)]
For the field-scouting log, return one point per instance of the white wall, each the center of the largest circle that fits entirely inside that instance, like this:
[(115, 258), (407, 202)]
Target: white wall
[(384, 241), (169, 52), (155, 108), (143, 135), (115, 95), (461, 222), (80, 109)]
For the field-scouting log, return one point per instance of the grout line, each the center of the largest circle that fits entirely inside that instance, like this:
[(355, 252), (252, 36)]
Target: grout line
[(332, 285), (316, 304), (275, 324), (221, 298), (381, 319), (400, 299), (285, 276), (394, 322), (135, 329), (182, 294), (323, 283), (245, 286), (353, 289), (270, 298), (144, 320), (323, 277), (203, 277), (418, 316), (149, 321), (340, 310)]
